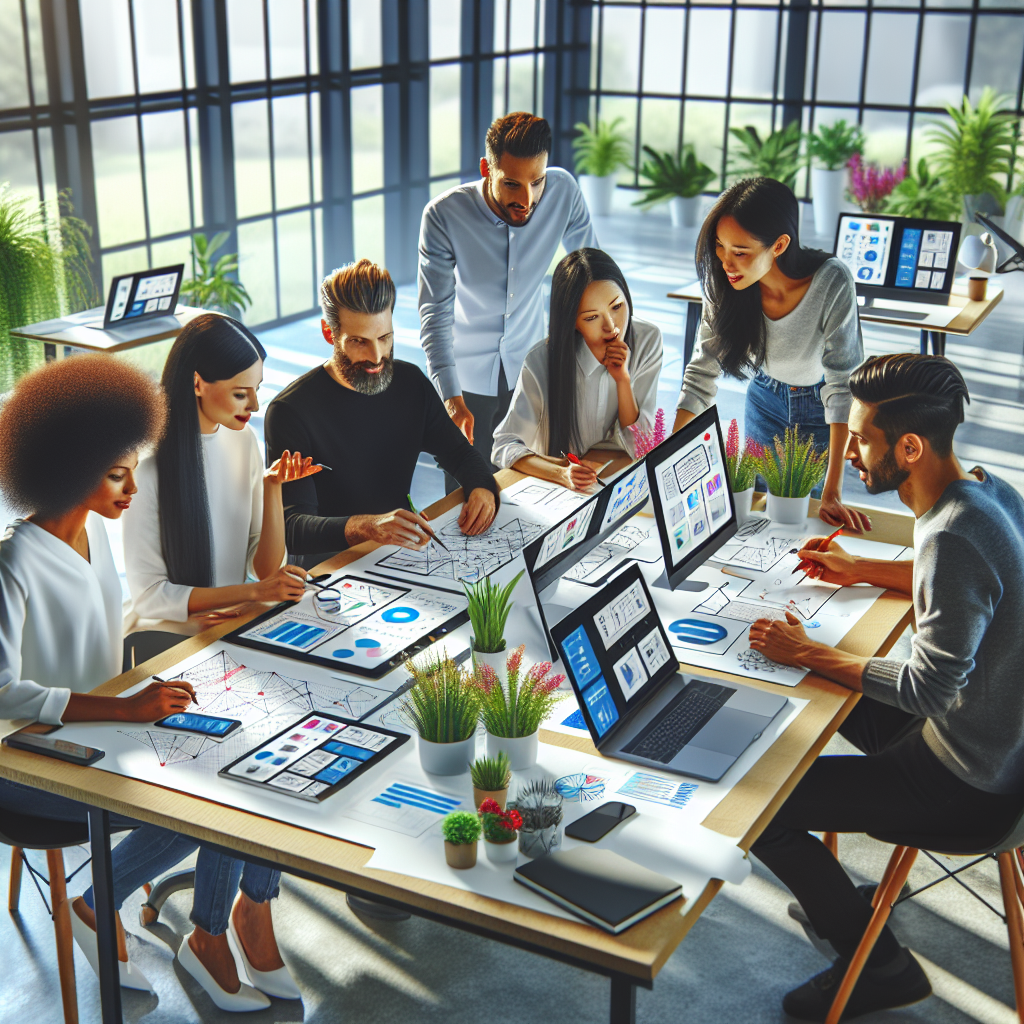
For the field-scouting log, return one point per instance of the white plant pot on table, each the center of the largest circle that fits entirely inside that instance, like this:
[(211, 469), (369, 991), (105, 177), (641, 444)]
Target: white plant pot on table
[(791, 511), (447, 758), (598, 192), (742, 500), (521, 750), (684, 211), (827, 188), (498, 662), (501, 853)]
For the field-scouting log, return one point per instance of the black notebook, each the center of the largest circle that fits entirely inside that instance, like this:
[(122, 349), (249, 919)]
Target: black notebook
[(599, 886)]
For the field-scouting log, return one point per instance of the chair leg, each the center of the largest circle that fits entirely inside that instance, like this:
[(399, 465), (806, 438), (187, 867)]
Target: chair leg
[(62, 930), (14, 889), (907, 856), (1012, 906), (831, 841), (894, 861)]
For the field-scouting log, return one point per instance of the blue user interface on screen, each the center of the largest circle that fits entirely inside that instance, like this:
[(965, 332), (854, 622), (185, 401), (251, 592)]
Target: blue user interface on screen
[(198, 723), (581, 661), (907, 264)]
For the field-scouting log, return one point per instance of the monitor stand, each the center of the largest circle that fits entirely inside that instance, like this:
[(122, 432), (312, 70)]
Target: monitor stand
[(694, 586)]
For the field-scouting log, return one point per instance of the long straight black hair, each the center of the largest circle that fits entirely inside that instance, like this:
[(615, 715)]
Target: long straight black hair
[(766, 209), (570, 280), (217, 348)]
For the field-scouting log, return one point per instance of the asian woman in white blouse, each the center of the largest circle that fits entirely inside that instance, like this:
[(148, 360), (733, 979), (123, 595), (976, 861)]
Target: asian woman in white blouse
[(588, 382)]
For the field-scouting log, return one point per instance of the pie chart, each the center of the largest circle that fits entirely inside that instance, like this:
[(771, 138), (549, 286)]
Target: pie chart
[(400, 615)]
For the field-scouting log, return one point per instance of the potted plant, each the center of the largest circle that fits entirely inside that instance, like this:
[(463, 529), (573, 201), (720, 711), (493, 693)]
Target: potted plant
[(923, 194), (540, 806), (461, 831), (679, 179), (831, 147), (742, 465), (443, 706), (499, 831), (974, 151), (512, 713), (871, 184), (792, 467), (214, 287), (489, 605), (776, 156), (600, 152), (491, 777)]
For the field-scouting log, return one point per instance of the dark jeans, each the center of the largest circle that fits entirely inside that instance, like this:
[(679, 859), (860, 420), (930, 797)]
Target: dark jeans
[(488, 411), (900, 786)]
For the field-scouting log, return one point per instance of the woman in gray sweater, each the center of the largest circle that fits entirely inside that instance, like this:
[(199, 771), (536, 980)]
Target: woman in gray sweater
[(783, 314)]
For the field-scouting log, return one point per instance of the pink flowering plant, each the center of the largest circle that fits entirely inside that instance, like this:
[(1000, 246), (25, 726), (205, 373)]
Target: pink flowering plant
[(743, 464), (645, 441), (517, 708), (871, 184)]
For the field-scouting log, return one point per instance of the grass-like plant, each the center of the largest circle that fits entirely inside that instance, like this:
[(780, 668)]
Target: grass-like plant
[(539, 805), (444, 704), (775, 156), (792, 466), (491, 774), (670, 175), (742, 464), (213, 287), (601, 150), (832, 145), (923, 194), (489, 605), (518, 708), (461, 828), (499, 826)]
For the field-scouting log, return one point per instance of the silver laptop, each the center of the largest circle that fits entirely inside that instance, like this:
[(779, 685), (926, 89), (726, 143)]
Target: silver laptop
[(135, 300), (636, 703)]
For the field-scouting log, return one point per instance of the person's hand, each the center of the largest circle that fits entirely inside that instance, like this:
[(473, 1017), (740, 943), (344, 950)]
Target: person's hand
[(402, 527), (208, 619), (289, 468), (460, 414), (615, 355), (835, 513), (784, 642), (580, 476), (833, 565), (287, 584), (477, 513), (158, 700)]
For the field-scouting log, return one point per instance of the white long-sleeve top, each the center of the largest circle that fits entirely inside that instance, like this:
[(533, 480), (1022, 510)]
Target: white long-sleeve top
[(60, 620), (524, 430), (233, 469)]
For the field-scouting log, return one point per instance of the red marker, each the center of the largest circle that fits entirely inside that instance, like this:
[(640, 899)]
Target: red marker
[(804, 564)]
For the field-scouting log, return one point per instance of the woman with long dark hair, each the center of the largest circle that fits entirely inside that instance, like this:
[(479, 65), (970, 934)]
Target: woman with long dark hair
[(594, 376), (783, 314)]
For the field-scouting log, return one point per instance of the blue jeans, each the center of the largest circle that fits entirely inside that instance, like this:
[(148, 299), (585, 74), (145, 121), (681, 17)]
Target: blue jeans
[(149, 851), (772, 406)]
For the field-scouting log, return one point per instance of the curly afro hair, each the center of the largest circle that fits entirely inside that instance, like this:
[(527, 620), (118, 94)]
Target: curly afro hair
[(64, 425)]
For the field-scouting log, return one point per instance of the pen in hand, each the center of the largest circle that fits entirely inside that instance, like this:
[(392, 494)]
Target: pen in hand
[(169, 682), (430, 533), (823, 546)]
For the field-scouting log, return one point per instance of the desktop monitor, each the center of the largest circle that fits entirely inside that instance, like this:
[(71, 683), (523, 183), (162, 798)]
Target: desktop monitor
[(692, 497), (899, 257), (143, 295)]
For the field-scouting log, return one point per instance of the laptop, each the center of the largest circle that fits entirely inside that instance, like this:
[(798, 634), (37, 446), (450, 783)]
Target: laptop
[(636, 703), (142, 297)]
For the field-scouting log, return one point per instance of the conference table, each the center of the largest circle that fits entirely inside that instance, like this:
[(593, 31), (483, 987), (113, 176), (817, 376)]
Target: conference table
[(630, 960)]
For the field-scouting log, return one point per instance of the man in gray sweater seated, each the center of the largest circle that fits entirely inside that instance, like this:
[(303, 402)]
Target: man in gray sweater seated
[(944, 731)]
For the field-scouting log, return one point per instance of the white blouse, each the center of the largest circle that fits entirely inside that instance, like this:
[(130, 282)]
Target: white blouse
[(233, 469), (60, 620), (524, 430)]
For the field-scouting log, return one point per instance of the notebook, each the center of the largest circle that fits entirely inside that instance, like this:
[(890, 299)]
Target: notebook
[(599, 886)]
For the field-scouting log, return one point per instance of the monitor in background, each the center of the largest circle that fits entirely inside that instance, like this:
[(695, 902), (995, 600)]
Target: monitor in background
[(692, 497), (144, 295), (899, 257)]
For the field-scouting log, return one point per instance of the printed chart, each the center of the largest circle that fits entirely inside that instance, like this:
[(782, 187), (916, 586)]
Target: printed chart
[(406, 807), (547, 501)]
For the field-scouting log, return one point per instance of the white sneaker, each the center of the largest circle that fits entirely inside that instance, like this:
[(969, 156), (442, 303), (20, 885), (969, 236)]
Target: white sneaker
[(245, 999), (278, 983), (131, 976)]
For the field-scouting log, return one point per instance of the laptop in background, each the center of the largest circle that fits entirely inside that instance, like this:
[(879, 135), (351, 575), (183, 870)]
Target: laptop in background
[(140, 297)]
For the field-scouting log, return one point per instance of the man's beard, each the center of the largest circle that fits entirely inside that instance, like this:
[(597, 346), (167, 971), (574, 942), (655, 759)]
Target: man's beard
[(504, 213), (360, 380), (887, 475)]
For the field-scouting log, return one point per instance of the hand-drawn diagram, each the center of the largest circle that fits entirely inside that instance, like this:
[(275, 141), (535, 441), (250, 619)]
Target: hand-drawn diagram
[(757, 664), (760, 553), (551, 501), (618, 544)]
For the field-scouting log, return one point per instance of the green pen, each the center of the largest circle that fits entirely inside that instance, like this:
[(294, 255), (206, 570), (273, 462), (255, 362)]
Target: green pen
[(430, 533)]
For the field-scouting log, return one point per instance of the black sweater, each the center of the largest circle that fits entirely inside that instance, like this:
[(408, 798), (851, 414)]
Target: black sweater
[(371, 443)]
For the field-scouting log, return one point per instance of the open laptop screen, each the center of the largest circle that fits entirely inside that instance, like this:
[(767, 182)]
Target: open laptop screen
[(143, 295)]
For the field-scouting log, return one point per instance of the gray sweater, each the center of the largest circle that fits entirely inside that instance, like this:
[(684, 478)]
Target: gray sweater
[(966, 668)]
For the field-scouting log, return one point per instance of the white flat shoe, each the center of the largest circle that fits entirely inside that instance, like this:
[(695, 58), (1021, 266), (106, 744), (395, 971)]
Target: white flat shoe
[(242, 1001), (278, 983), (131, 976)]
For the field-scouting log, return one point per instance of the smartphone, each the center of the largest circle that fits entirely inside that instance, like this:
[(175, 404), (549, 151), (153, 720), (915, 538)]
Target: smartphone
[(51, 746), (598, 823), (204, 725)]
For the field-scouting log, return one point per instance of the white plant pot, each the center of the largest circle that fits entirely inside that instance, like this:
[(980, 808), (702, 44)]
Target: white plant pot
[(598, 192), (791, 511), (742, 500), (521, 750), (827, 188), (684, 211), (447, 758), (501, 853), (497, 661)]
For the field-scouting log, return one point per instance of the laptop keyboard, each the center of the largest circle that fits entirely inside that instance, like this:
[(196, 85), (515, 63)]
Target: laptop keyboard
[(682, 718)]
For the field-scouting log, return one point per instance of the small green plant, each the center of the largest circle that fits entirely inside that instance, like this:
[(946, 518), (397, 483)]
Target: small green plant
[(832, 145), (461, 828), (743, 465), (539, 805), (489, 605), (213, 287), (444, 703), (518, 708), (792, 466), (670, 175), (499, 826), (601, 150), (923, 194), (776, 156), (491, 774)]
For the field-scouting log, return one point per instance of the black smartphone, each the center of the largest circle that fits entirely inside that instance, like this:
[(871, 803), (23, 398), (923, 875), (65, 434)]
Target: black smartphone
[(204, 725), (598, 823), (51, 746)]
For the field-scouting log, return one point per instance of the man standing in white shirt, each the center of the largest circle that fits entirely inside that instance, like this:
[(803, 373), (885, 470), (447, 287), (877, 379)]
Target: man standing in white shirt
[(485, 248)]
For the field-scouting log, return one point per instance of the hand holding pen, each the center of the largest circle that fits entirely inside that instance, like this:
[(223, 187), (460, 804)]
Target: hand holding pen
[(814, 544), (824, 560), (426, 529), (580, 475)]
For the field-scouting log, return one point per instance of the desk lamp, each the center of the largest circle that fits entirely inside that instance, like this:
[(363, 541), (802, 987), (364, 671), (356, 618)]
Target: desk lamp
[(978, 255)]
